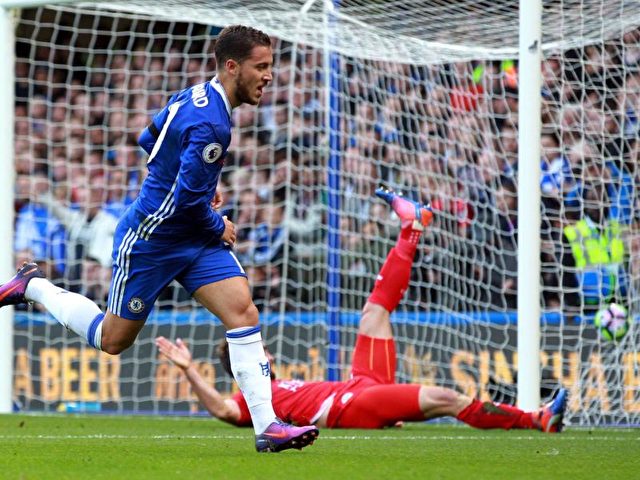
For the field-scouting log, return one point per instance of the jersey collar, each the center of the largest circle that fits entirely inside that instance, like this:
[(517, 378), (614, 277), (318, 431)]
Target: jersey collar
[(215, 83)]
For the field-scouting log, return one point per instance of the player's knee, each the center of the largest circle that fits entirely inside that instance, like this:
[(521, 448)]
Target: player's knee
[(442, 400), (114, 348), (447, 397), (241, 314), (374, 321), (250, 317)]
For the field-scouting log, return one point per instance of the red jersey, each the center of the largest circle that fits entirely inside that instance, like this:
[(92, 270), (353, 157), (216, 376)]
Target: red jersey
[(302, 403), (374, 399)]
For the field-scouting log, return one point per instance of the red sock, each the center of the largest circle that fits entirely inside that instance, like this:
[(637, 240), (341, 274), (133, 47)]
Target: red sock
[(408, 240), (394, 276), (494, 415)]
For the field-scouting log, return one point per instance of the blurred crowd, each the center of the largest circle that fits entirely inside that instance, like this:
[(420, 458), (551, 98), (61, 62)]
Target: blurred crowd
[(445, 133)]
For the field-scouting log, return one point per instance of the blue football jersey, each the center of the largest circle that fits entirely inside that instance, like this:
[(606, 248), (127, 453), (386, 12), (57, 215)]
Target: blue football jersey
[(186, 142)]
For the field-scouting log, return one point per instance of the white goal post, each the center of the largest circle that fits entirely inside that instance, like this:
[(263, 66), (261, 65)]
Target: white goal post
[(7, 182), (439, 99), (7, 42), (530, 82)]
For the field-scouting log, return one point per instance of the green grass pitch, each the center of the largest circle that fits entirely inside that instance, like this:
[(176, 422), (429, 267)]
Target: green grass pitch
[(118, 447)]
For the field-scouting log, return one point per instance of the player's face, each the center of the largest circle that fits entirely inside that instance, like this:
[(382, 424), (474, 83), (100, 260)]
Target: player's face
[(254, 74)]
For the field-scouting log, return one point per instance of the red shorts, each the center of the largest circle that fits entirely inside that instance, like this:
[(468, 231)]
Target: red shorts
[(373, 399), (374, 358)]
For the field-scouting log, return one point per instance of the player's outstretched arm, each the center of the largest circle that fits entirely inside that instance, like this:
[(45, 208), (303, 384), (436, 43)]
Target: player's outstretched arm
[(226, 410)]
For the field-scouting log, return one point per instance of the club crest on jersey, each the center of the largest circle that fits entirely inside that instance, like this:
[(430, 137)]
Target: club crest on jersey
[(211, 152), (135, 305)]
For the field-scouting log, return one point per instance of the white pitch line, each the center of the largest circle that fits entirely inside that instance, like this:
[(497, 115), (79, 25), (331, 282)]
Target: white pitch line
[(322, 437)]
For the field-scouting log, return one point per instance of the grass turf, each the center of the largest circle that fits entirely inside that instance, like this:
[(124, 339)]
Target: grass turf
[(108, 447)]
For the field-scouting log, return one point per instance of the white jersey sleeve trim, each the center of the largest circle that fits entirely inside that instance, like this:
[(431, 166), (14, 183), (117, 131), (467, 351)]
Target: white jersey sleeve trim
[(215, 83), (173, 109)]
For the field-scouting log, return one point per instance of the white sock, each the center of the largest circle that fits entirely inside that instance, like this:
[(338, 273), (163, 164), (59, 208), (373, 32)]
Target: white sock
[(73, 311), (252, 371)]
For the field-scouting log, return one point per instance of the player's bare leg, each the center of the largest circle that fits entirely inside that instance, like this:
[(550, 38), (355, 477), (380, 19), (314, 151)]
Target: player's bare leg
[(374, 332), (118, 333), (375, 321), (441, 402), (230, 300), (393, 279)]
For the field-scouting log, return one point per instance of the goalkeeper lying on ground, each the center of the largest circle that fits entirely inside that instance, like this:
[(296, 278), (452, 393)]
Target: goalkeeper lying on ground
[(371, 399)]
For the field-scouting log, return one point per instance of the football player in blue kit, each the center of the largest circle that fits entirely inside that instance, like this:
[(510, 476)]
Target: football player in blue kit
[(172, 231)]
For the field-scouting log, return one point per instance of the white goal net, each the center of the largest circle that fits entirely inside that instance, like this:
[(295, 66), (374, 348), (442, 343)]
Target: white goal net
[(425, 94)]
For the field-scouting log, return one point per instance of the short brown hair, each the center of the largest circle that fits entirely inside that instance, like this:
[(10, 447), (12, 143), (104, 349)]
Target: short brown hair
[(236, 42)]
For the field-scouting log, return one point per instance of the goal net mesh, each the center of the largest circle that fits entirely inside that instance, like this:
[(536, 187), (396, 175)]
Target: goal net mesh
[(426, 98)]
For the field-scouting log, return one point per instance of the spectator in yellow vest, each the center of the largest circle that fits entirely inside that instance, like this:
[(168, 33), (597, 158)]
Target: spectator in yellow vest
[(593, 252)]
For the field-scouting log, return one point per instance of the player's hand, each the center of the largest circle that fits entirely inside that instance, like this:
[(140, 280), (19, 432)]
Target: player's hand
[(229, 234), (217, 201), (177, 352)]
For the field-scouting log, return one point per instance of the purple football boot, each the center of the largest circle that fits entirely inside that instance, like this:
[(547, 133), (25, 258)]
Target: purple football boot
[(281, 436), (12, 292)]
